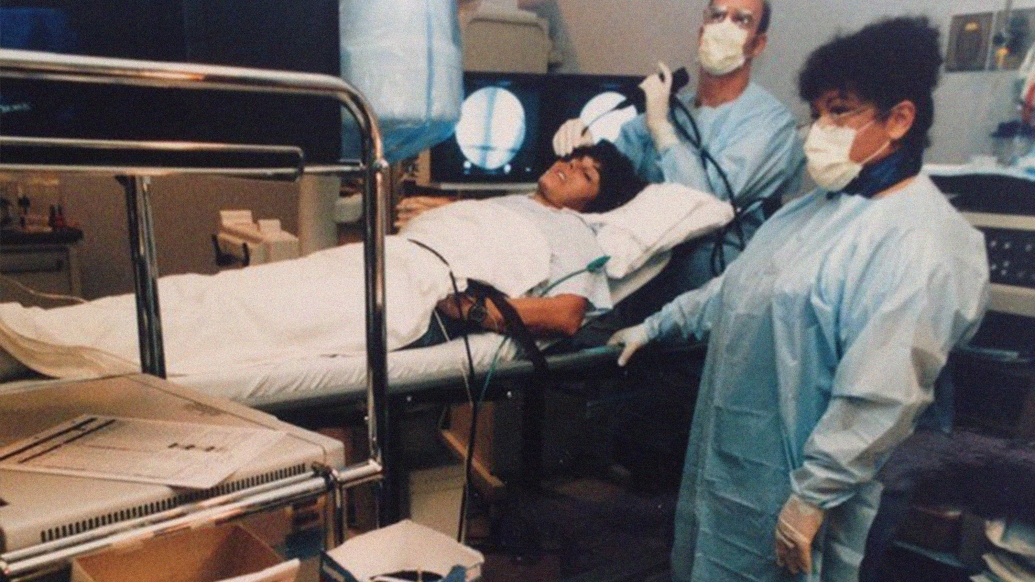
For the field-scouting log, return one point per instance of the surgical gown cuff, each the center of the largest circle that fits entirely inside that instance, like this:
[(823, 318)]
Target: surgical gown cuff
[(822, 491), (660, 327), (651, 325)]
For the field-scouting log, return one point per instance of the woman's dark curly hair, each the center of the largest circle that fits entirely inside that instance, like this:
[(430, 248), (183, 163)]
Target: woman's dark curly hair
[(885, 63), (619, 182)]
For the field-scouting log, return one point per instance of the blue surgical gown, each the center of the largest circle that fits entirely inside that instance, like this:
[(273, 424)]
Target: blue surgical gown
[(752, 137), (825, 338)]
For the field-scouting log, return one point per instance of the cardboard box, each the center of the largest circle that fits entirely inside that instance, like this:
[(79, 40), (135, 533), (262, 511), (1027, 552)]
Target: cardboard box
[(402, 547), (210, 554)]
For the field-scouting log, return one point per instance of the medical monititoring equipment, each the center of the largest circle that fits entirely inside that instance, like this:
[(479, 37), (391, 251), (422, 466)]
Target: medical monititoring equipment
[(404, 57), (503, 138), (251, 242), (296, 36), (1002, 206)]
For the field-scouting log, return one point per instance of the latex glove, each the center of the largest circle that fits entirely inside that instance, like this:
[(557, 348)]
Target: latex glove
[(633, 338), (570, 135), (658, 89), (413, 206), (795, 530)]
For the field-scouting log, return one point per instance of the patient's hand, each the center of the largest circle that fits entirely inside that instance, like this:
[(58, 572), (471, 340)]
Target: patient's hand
[(413, 206), (459, 307)]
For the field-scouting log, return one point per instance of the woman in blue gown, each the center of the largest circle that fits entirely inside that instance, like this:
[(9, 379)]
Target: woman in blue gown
[(826, 334)]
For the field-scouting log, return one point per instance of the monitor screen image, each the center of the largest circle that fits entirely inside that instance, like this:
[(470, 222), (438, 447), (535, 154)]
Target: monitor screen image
[(595, 99), (496, 137), (491, 129), (504, 137)]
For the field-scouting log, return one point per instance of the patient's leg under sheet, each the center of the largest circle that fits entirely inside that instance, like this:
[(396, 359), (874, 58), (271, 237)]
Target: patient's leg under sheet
[(287, 309)]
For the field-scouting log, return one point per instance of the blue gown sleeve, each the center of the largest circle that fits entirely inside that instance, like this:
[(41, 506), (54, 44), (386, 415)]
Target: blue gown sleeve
[(758, 149), (691, 314), (899, 317), (759, 153)]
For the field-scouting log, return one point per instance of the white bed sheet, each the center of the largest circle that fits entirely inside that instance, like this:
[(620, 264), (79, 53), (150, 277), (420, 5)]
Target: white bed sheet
[(313, 377), (298, 373), (339, 376)]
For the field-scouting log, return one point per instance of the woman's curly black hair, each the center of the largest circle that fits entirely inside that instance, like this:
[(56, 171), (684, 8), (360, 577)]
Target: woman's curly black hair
[(885, 63), (619, 182)]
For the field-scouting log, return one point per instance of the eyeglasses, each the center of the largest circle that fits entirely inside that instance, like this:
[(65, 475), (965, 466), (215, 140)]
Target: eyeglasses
[(839, 119), (741, 17)]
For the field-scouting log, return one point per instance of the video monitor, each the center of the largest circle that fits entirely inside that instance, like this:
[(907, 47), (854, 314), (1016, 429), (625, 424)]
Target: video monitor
[(294, 37), (497, 138), (596, 99)]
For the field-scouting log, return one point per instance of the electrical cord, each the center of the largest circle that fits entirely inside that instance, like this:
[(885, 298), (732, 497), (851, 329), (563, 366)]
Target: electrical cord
[(34, 293), (718, 257), (461, 528), (461, 533), (463, 372), (594, 266)]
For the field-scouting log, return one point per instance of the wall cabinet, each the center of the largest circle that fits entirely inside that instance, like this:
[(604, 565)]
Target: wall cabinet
[(34, 272)]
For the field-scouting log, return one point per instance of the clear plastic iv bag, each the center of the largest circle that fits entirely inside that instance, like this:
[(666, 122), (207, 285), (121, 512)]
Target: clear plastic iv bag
[(405, 57)]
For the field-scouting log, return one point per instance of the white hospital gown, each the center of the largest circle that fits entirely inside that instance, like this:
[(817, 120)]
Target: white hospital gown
[(573, 246)]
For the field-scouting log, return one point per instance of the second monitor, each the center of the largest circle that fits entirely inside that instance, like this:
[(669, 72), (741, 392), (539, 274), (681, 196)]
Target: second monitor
[(503, 140)]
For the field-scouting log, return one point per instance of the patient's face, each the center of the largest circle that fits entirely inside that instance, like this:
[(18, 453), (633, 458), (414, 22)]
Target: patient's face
[(570, 184)]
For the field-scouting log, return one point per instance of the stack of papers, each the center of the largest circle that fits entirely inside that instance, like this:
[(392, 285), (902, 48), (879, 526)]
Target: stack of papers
[(176, 454)]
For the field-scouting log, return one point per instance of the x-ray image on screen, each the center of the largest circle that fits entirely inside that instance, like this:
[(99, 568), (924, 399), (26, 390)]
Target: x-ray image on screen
[(592, 98), (495, 140), (602, 117), (491, 129)]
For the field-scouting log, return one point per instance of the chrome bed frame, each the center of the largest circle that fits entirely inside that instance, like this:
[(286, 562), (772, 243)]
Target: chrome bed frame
[(136, 182), (382, 404)]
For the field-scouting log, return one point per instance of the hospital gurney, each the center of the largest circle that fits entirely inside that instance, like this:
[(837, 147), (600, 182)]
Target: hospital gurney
[(313, 381), (135, 173)]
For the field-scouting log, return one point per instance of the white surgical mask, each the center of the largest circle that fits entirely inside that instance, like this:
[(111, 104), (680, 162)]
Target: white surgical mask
[(827, 151), (722, 47)]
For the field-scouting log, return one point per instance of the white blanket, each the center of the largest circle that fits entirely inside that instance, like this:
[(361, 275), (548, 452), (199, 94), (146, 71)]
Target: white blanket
[(309, 306)]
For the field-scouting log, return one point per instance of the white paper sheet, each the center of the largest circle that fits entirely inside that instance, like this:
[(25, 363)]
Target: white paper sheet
[(176, 454)]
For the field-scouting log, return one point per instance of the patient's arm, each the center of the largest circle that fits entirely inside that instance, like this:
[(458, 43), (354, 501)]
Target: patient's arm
[(543, 316)]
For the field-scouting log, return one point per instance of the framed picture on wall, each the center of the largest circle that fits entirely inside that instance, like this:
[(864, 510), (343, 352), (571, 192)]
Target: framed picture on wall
[(969, 41), (1012, 36)]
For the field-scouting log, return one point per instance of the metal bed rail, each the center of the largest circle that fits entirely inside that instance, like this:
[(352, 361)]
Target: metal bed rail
[(136, 181)]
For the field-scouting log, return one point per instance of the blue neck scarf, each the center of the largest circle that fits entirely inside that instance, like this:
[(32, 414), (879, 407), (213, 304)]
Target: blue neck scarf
[(873, 180)]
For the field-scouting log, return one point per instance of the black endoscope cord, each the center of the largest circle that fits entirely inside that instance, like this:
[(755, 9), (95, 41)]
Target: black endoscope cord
[(461, 533), (718, 258)]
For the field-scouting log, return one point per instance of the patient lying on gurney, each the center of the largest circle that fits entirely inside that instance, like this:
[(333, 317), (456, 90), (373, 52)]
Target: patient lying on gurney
[(591, 180), (532, 248)]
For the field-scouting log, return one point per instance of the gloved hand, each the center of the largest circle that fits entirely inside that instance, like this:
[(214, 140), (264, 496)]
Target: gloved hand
[(570, 135), (633, 338), (658, 90), (795, 529)]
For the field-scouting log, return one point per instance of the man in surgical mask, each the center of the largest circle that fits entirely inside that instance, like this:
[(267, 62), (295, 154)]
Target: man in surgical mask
[(731, 138)]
